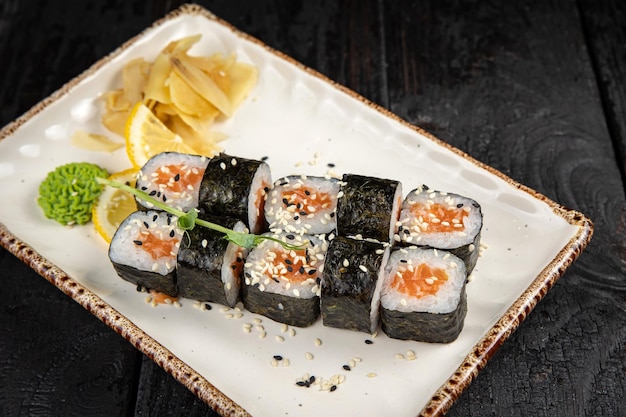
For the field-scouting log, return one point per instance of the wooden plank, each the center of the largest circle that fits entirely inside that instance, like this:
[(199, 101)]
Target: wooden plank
[(57, 359), (513, 86), (603, 24)]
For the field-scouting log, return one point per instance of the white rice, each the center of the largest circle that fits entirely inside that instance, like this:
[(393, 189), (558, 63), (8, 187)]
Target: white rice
[(126, 249), (270, 276), (445, 300), (284, 211), (415, 230), (184, 199)]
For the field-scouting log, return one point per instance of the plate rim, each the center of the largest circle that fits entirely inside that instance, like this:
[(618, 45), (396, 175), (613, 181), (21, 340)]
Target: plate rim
[(446, 394)]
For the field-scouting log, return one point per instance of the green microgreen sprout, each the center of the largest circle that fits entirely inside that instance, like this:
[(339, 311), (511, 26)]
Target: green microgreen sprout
[(188, 220)]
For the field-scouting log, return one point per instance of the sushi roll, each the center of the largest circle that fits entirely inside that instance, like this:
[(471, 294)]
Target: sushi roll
[(236, 187), (301, 204), (283, 284), (143, 250), (351, 283), (423, 296), (173, 178), (368, 207), (209, 267), (441, 220)]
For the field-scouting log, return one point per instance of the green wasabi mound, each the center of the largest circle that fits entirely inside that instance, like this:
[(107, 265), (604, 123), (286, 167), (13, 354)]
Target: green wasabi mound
[(69, 192)]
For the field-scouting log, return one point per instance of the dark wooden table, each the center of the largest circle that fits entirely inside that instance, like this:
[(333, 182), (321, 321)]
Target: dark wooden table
[(534, 88)]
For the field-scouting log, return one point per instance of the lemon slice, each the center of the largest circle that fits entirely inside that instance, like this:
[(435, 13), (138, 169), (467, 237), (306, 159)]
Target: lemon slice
[(147, 136), (114, 205)]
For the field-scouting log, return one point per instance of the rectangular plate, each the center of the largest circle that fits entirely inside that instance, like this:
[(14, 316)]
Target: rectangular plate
[(302, 122)]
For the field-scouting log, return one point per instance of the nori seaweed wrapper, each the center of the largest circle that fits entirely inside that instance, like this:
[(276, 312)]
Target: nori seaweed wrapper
[(199, 262), (347, 291), (425, 327), (225, 187), (299, 312), (152, 280), (469, 257), (366, 206)]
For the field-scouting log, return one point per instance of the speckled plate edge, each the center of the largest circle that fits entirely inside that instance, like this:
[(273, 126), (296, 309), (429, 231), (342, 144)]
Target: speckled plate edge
[(442, 399)]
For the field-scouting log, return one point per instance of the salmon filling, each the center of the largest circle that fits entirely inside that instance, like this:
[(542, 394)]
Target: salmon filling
[(437, 218), (292, 266), (155, 246), (419, 281), (177, 178), (305, 201)]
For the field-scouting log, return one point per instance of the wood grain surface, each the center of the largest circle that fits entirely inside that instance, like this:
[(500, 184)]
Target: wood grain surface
[(536, 89)]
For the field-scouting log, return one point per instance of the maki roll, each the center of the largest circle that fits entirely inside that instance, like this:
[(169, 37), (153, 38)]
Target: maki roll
[(442, 220), (209, 267), (423, 296), (368, 207), (301, 204), (173, 178), (143, 250), (283, 284), (351, 283), (235, 187)]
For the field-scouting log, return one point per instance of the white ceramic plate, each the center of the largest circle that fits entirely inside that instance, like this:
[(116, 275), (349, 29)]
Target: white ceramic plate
[(302, 122)]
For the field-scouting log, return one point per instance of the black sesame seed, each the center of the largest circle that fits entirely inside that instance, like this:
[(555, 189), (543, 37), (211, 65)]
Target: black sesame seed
[(164, 198), (330, 165), (296, 217), (347, 367), (288, 261), (369, 342), (285, 201), (301, 270), (208, 306), (144, 188), (172, 233), (152, 193), (311, 379), (475, 205), (333, 388), (302, 383), (278, 357), (312, 271), (307, 192), (290, 237), (155, 217), (332, 214), (289, 268), (459, 205), (275, 279), (177, 177), (404, 261), (169, 220), (158, 194), (264, 158), (303, 213), (138, 242), (233, 267), (146, 224)]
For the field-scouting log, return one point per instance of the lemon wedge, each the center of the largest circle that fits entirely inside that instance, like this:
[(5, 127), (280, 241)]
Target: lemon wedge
[(114, 205), (147, 136)]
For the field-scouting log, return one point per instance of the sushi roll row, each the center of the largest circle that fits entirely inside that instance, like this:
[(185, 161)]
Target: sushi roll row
[(365, 256)]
